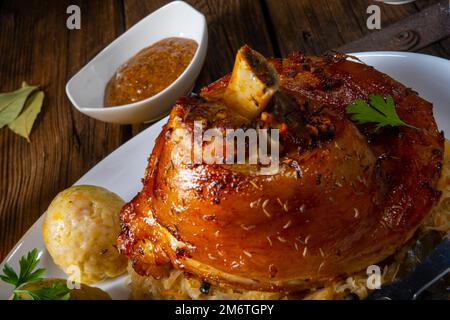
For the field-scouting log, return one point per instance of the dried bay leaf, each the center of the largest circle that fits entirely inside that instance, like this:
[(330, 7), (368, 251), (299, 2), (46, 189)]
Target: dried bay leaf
[(23, 124), (12, 103)]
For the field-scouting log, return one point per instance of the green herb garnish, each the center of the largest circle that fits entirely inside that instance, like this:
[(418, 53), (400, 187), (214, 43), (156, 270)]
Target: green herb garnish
[(28, 274), (58, 291), (19, 109), (23, 124), (11, 103), (380, 111)]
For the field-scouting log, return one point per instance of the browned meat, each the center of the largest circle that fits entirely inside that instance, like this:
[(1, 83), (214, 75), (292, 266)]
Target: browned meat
[(345, 197)]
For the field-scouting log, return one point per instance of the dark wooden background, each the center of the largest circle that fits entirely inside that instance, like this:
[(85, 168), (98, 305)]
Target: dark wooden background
[(36, 46)]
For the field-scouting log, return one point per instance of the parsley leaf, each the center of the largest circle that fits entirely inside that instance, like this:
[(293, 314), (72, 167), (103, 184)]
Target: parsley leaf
[(27, 273), (380, 111), (58, 291), (30, 274), (9, 275)]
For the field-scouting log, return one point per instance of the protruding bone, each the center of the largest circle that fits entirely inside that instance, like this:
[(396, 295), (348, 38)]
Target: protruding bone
[(253, 83)]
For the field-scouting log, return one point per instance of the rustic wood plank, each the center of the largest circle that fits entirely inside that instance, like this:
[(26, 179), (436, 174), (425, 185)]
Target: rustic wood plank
[(231, 24), (440, 49), (392, 14), (445, 45), (36, 46), (307, 26), (413, 33), (316, 26), (422, 4)]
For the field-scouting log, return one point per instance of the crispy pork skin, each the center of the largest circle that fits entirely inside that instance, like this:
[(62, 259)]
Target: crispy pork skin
[(345, 197)]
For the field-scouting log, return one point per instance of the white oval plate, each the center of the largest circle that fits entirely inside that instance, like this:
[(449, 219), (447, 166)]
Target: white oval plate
[(428, 75)]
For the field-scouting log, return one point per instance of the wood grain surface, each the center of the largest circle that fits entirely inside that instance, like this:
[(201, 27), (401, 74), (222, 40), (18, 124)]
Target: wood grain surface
[(36, 46)]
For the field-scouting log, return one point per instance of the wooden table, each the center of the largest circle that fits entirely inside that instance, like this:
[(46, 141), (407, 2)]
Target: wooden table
[(36, 46)]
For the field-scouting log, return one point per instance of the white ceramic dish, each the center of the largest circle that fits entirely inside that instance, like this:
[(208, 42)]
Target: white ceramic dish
[(396, 2), (123, 169), (86, 89)]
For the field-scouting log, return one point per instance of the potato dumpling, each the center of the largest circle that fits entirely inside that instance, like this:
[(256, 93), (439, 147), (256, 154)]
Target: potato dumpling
[(85, 292), (80, 230)]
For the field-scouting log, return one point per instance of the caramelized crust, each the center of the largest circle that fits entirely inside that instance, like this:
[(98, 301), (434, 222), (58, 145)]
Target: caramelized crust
[(345, 196)]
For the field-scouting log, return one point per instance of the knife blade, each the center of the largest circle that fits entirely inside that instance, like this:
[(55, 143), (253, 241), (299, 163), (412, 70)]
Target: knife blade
[(433, 268)]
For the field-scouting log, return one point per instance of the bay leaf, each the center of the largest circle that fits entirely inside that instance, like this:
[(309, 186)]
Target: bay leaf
[(12, 103), (23, 124)]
